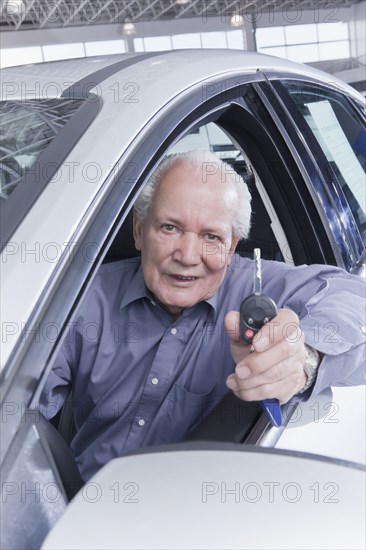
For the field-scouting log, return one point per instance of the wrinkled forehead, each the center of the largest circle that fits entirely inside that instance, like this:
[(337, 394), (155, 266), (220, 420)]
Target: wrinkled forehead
[(190, 201), (212, 178), (203, 170)]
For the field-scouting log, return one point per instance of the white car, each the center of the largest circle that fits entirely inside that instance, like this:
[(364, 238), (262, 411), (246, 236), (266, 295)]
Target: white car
[(78, 140)]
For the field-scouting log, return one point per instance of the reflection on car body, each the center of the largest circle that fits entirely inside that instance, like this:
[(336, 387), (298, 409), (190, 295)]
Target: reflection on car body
[(78, 140)]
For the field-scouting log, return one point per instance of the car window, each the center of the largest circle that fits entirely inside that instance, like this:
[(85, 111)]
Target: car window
[(342, 137), (26, 129)]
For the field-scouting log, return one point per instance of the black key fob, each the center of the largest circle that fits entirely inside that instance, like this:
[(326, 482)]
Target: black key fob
[(255, 311)]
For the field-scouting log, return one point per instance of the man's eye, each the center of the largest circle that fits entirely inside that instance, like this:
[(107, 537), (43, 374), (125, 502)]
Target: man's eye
[(212, 237), (169, 227)]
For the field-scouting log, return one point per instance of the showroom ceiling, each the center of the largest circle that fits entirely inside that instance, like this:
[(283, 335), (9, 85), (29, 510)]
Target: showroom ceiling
[(37, 14)]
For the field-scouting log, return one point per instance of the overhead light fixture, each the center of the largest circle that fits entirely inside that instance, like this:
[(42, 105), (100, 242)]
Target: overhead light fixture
[(128, 28), (237, 20), (14, 6), (182, 2)]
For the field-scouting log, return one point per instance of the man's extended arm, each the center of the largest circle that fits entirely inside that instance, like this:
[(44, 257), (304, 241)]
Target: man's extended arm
[(330, 317)]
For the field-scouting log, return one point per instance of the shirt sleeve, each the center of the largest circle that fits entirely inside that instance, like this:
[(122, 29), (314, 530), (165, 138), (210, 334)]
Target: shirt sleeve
[(334, 323), (331, 306), (57, 386)]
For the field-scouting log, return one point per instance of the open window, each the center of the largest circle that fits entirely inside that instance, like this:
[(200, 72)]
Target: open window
[(241, 134)]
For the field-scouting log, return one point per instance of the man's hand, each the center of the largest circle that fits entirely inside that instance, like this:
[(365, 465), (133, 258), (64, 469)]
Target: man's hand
[(275, 368)]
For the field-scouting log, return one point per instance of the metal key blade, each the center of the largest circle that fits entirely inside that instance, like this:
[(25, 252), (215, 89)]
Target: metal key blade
[(257, 272), (255, 311)]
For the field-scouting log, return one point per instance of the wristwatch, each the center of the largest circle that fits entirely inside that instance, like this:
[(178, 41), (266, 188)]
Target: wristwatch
[(312, 361)]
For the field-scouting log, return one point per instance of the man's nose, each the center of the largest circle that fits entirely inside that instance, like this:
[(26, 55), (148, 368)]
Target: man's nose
[(188, 249)]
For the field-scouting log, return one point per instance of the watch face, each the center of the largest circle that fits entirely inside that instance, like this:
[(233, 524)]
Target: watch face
[(310, 366), (311, 360)]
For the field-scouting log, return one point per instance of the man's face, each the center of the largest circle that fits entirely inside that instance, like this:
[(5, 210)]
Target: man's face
[(186, 239)]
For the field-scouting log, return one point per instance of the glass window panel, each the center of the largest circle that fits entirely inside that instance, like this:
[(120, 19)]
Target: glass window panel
[(332, 31), (334, 50), (157, 43), (235, 39), (189, 40), (341, 135), (105, 47), (303, 53), (138, 44), (270, 36), (63, 51), (9, 57), (300, 34), (26, 129), (278, 52), (213, 40)]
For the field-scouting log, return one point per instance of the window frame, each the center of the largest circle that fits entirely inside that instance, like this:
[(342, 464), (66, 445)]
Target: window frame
[(322, 183)]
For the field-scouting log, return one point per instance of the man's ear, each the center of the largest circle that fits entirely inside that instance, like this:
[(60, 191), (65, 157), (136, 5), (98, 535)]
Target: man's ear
[(137, 229)]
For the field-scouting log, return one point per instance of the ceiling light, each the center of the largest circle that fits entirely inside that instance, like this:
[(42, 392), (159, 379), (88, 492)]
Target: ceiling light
[(237, 20), (14, 7), (182, 2), (128, 28)]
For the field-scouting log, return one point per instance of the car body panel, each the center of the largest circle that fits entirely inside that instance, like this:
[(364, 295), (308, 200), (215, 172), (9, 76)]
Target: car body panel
[(223, 498), (330, 425)]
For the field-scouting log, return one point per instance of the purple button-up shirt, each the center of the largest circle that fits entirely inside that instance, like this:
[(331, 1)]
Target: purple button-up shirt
[(139, 378)]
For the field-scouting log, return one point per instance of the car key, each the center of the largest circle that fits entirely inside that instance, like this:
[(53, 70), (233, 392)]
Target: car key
[(255, 311)]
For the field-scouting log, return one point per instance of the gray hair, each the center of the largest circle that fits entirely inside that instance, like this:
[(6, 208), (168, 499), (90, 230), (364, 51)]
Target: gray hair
[(204, 163)]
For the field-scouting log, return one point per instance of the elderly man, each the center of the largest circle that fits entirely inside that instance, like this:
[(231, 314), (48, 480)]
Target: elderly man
[(167, 346)]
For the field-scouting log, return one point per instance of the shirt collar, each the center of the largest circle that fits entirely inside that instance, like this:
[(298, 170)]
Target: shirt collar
[(137, 290), (213, 301)]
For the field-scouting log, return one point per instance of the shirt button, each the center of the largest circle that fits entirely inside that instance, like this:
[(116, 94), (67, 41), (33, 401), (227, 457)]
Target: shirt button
[(173, 331), (141, 422), (155, 381)]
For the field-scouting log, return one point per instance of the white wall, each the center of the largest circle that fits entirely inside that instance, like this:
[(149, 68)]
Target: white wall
[(358, 32), (298, 16)]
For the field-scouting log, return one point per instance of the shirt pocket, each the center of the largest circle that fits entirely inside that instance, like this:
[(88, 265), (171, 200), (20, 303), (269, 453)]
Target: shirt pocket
[(187, 409)]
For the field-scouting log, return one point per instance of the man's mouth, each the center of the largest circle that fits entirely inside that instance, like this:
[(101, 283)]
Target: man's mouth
[(183, 277)]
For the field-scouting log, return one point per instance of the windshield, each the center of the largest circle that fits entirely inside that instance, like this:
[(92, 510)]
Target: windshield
[(26, 129)]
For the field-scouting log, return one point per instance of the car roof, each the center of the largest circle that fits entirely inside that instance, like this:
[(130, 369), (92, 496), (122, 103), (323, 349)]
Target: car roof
[(50, 79)]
